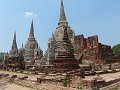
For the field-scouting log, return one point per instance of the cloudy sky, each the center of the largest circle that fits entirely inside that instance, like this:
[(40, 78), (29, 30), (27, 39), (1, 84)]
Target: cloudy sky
[(88, 17)]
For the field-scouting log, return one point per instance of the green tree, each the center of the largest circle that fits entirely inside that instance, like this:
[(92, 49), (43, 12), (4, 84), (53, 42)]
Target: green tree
[(1, 56), (116, 49)]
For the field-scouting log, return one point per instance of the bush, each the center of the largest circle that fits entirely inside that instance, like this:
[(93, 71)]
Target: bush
[(116, 49), (65, 82)]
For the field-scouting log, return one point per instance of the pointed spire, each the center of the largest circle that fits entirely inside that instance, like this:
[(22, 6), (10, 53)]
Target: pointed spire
[(31, 30), (62, 18), (31, 35), (53, 38), (14, 49), (41, 52), (14, 44), (22, 45), (52, 34), (14, 39), (39, 48)]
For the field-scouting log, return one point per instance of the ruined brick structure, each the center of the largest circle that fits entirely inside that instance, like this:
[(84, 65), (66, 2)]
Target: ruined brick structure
[(91, 50)]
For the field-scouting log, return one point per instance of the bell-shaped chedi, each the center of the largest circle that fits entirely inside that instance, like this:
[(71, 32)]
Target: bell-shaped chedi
[(30, 46), (64, 60)]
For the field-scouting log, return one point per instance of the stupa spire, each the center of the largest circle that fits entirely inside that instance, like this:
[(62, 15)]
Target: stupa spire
[(31, 34), (14, 44), (62, 18), (31, 30), (14, 49)]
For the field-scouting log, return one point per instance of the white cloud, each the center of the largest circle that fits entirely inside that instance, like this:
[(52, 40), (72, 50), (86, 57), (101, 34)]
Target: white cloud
[(30, 14)]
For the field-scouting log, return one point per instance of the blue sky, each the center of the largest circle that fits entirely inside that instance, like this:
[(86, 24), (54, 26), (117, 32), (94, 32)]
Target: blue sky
[(88, 17)]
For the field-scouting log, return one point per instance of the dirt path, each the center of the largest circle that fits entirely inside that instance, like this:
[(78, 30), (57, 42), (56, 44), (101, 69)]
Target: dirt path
[(32, 77), (10, 86)]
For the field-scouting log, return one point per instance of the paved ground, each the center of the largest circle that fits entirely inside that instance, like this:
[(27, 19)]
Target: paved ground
[(106, 77), (7, 86), (32, 77), (10, 86)]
